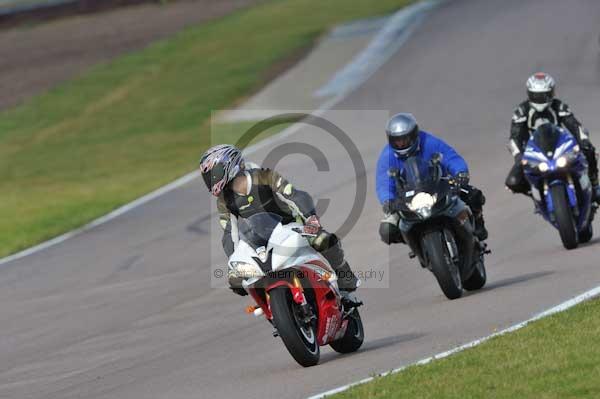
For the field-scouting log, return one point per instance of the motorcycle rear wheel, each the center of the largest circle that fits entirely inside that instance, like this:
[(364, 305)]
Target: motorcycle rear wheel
[(299, 339), (564, 217), (586, 234), (444, 269), (477, 279), (353, 337)]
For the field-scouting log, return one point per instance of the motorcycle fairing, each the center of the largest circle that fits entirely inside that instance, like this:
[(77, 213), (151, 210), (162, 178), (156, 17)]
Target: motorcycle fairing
[(289, 250), (573, 176)]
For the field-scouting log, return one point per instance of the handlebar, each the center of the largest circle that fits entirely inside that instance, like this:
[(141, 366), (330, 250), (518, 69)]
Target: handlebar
[(302, 233)]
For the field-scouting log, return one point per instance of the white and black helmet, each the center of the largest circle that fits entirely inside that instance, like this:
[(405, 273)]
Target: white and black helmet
[(402, 132), (219, 165), (540, 90)]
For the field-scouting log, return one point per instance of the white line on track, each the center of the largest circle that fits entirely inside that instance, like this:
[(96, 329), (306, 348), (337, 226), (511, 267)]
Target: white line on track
[(405, 23), (395, 32), (594, 292), (103, 219)]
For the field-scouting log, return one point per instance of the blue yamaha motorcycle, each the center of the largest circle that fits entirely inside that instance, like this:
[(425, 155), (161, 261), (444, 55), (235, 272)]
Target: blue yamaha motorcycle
[(560, 187)]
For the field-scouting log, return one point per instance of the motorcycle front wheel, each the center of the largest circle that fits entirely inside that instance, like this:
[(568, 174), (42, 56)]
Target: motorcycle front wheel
[(564, 217), (299, 337), (443, 267)]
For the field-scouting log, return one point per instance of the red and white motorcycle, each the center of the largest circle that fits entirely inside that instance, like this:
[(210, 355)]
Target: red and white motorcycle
[(294, 288)]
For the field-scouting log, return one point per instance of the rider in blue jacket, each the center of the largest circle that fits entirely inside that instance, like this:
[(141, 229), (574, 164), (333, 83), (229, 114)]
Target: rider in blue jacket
[(405, 139)]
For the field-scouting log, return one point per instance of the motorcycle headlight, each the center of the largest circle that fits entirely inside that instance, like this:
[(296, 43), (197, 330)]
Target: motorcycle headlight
[(543, 167), (422, 204), (244, 270), (424, 212), (561, 162)]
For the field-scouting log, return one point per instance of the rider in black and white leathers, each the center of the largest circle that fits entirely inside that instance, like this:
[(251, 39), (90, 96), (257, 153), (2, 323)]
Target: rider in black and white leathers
[(529, 115)]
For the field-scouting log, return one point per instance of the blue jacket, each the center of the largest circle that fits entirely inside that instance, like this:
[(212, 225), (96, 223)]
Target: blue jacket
[(452, 163)]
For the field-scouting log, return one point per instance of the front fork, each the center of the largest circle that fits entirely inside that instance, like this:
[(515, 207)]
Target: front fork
[(571, 195)]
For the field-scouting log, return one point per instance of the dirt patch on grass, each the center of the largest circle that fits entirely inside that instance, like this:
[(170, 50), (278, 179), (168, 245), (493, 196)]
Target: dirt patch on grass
[(37, 57)]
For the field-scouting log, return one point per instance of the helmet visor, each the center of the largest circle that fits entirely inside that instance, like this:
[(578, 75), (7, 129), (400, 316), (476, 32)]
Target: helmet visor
[(543, 97), (402, 142), (215, 179)]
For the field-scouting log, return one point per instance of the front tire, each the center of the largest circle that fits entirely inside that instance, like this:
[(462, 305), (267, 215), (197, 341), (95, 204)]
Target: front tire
[(300, 340), (353, 337), (444, 269), (564, 217)]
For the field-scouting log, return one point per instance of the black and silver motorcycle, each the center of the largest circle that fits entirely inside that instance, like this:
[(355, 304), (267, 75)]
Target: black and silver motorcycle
[(438, 226)]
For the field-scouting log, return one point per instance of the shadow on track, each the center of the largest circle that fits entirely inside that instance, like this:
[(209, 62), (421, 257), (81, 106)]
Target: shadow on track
[(373, 345), (516, 280), (390, 341), (593, 241)]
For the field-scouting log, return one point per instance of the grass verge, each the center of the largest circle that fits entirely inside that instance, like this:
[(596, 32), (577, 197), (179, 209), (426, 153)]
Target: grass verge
[(556, 357), (129, 126)]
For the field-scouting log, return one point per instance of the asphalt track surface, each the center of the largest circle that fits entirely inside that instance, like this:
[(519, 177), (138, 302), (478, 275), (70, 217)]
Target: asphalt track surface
[(126, 310)]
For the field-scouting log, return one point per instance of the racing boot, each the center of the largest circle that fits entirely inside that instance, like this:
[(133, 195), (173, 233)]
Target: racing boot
[(347, 281), (331, 248), (480, 231), (590, 154), (595, 189)]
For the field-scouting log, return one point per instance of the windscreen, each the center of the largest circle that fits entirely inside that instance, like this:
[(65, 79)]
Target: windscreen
[(419, 173), (257, 229), (546, 138)]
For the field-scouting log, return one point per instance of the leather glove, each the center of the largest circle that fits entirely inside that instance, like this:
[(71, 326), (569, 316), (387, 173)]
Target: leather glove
[(312, 225), (391, 206), (462, 179), (518, 157)]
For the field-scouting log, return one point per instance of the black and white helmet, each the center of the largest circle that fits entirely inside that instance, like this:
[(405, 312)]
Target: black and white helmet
[(540, 90), (219, 165), (402, 132)]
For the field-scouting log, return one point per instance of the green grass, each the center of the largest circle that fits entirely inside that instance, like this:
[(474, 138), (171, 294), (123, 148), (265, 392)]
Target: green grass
[(129, 126), (556, 357)]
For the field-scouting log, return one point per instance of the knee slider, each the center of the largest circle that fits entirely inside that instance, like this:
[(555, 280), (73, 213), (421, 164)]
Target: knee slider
[(587, 146), (330, 247), (324, 240), (390, 233), (477, 197)]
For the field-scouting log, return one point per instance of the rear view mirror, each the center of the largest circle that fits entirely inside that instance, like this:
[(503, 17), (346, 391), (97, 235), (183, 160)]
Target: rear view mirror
[(435, 164), (436, 158), (395, 174)]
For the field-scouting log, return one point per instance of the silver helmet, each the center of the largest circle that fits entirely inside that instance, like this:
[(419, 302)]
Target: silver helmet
[(540, 90), (219, 165), (402, 132)]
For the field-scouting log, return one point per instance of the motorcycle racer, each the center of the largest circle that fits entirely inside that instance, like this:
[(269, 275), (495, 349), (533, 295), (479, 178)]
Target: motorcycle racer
[(243, 189), (543, 107), (405, 139)]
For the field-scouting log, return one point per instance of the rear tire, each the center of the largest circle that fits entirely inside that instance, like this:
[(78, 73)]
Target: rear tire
[(586, 235), (354, 336), (564, 217), (442, 266), (477, 279), (304, 350)]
